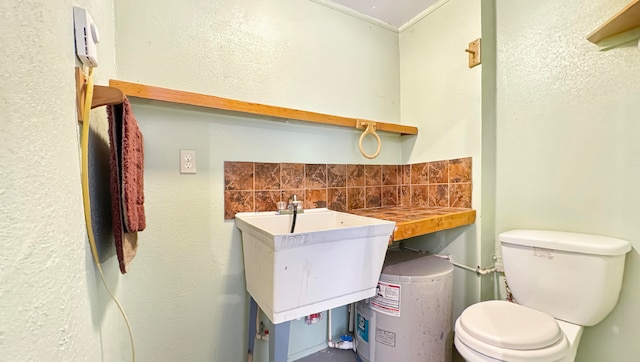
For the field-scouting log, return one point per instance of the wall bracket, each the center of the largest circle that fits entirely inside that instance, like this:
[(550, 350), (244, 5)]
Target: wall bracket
[(474, 53), (101, 95)]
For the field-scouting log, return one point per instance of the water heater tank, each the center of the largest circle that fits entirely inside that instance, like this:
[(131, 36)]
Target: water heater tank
[(409, 319)]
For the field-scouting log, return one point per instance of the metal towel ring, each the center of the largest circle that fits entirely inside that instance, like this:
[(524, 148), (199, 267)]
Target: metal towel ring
[(370, 129)]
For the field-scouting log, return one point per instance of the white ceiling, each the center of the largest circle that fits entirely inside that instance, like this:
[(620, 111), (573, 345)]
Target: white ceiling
[(394, 12)]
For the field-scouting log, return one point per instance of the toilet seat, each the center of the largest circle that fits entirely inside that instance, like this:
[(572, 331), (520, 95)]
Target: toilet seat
[(511, 332)]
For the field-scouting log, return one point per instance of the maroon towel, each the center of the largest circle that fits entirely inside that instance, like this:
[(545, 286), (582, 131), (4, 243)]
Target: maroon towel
[(126, 158), (132, 161)]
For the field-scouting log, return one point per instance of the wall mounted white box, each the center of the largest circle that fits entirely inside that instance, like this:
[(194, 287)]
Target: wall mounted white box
[(86, 34)]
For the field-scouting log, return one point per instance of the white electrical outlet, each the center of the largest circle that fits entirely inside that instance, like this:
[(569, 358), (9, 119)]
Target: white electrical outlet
[(187, 161)]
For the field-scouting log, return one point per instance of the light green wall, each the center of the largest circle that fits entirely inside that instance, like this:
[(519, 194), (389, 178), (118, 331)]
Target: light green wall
[(568, 155), (443, 97), (296, 54), (49, 306), (489, 283), (185, 292), (439, 93)]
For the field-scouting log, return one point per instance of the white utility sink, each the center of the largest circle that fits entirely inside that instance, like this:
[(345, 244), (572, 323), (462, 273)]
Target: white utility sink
[(332, 259)]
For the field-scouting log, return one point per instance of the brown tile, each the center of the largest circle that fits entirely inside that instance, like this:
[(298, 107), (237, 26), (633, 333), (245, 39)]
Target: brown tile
[(315, 198), (439, 195), (355, 198), (315, 176), (438, 172), (337, 199), (460, 195), (390, 175), (286, 195), (406, 174), (419, 195), (373, 196), (267, 176), (266, 200), (291, 176), (258, 186), (460, 170), (238, 175), (390, 195), (237, 201), (355, 175), (420, 173), (405, 195), (372, 175), (336, 175)]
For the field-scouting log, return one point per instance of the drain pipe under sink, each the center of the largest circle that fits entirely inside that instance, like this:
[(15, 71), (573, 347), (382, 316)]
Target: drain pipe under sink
[(329, 337), (345, 342)]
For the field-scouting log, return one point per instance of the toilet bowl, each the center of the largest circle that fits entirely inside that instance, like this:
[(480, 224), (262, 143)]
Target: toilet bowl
[(503, 331)]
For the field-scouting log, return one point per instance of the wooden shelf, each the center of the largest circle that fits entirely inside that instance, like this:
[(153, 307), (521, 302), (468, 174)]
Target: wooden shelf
[(416, 221), (625, 20), (209, 101)]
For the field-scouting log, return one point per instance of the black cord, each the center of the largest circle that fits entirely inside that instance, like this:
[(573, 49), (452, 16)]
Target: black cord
[(295, 214)]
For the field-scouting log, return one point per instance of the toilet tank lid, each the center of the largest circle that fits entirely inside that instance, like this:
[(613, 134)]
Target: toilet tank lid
[(566, 241)]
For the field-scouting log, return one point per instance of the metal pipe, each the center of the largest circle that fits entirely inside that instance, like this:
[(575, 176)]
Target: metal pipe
[(477, 269), (449, 258), (329, 336), (352, 324)]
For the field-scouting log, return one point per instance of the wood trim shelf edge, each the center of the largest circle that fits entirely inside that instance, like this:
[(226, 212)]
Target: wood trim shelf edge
[(625, 20), (416, 221), (203, 100), (409, 229)]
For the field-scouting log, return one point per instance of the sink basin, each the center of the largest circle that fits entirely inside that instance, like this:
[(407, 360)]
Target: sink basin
[(332, 259)]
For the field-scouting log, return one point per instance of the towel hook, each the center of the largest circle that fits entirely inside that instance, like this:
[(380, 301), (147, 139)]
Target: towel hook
[(370, 129), (474, 53)]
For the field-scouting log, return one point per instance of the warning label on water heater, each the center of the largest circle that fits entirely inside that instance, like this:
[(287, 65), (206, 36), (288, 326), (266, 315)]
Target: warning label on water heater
[(387, 299), (385, 337)]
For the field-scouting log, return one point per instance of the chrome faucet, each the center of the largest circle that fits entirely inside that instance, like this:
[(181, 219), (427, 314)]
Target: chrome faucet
[(294, 203)]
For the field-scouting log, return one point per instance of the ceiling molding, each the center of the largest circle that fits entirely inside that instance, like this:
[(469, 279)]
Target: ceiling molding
[(424, 13), (356, 14)]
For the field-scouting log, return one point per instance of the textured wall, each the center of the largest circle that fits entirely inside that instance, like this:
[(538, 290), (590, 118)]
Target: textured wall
[(48, 301), (295, 54), (185, 292), (568, 155), (442, 96)]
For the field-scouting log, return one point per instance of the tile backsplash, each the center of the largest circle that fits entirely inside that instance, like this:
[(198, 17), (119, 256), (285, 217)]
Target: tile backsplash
[(257, 186)]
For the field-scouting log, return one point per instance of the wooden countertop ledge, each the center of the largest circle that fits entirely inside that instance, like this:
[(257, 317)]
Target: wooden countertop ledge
[(415, 221)]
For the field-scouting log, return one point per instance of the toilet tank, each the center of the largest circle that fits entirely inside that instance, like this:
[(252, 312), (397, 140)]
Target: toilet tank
[(573, 277)]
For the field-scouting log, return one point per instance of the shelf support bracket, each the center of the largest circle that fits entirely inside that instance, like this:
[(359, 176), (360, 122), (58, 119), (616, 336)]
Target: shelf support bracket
[(101, 95)]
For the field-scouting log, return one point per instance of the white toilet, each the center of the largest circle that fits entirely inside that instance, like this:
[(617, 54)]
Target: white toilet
[(561, 282)]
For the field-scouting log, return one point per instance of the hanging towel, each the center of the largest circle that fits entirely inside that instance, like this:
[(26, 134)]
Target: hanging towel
[(132, 161), (126, 158)]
